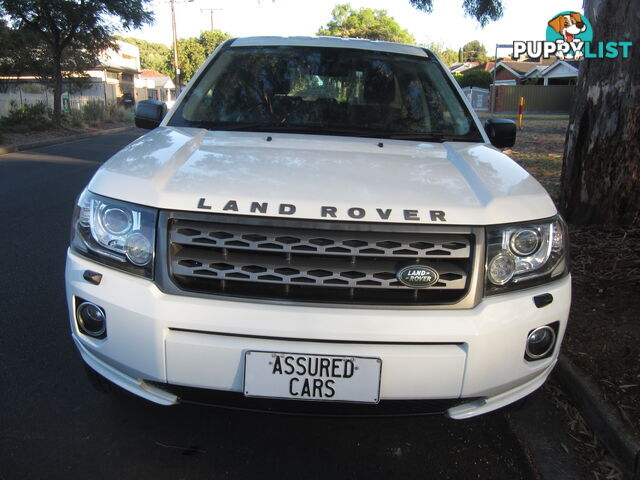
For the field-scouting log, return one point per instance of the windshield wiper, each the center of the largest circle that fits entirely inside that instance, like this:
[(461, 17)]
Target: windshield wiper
[(324, 130), (432, 137), (223, 126), (253, 127)]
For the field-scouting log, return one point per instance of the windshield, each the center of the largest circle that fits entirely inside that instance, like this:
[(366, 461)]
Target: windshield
[(330, 91)]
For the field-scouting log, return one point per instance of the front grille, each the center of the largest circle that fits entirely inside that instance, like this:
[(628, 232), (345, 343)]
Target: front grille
[(314, 261)]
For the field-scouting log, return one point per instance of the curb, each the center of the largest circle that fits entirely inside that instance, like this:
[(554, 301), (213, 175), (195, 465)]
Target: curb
[(605, 421), (550, 450), (56, 141)]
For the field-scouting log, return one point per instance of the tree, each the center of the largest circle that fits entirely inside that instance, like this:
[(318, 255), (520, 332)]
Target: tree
[(484, 11), (474, 51), (72, 33), (191, 55), (364, 23), (210, 39), (153, 56), (192, 52), (12, 54), (447, 55), (476, 78), (24, 53), (601, 169)]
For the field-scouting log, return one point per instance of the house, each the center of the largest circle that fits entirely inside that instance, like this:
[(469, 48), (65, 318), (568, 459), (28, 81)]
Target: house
[(515, 73), (156, 86), (488, 66), (114, 77), (462, 67), (560, 72), (111, 81)]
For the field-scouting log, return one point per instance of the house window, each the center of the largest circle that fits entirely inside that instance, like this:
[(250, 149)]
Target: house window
[(153, 94)]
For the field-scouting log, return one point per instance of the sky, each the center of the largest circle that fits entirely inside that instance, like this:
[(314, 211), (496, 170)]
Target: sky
[(446, 25)]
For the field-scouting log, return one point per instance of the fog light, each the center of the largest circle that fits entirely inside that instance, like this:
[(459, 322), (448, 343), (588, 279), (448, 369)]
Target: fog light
[(91, 320), (540, 342)]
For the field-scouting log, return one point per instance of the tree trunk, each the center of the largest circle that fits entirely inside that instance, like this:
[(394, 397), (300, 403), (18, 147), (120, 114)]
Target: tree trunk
[(57, 91), (601, 169)]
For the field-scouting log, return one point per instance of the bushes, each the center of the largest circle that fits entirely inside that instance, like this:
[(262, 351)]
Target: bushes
[(35, 117), (73, 119), (476, 78), (26, 118), (94, 112)]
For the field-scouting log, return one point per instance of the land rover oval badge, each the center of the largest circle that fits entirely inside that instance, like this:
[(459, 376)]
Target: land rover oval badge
[(417, 276)]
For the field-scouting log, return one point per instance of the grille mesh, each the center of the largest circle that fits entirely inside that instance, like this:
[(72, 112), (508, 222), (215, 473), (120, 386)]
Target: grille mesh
[(315, 265)]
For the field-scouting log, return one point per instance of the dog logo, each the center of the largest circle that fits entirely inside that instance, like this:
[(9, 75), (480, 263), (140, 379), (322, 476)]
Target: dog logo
[(570, 36), (572, 29)]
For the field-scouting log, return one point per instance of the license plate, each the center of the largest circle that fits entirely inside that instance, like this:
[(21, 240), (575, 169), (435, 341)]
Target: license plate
[(299, 376)]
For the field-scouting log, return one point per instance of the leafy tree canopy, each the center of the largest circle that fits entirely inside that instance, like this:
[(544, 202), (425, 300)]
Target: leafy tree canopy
[(447, 55), (210, 39), (192, 52), (153, 56), (12, 61), (474, 51), (484, 11), (364, 23)]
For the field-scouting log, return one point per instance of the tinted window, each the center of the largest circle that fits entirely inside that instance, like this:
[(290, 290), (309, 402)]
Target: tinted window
[(326, 91)]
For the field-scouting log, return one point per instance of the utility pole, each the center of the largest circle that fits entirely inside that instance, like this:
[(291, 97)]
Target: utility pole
[(176, 69), (210, 10)]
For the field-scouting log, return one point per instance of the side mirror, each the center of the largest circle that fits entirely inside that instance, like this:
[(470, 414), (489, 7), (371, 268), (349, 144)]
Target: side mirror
[(501, 132), (149, 113)]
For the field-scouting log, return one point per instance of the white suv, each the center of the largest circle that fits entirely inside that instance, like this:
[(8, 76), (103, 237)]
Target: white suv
[(319, 225)]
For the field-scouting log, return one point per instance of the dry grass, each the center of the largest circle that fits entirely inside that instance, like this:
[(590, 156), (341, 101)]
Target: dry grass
[(539, 148)]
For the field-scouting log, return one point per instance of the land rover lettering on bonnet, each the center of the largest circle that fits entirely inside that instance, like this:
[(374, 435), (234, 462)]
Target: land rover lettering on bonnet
[(319, 225), (351, 213)]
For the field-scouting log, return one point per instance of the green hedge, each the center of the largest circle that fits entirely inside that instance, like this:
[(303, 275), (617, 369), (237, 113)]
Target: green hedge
[(476, 78)]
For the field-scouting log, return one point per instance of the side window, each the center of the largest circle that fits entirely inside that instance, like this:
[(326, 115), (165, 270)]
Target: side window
[(447, 112)]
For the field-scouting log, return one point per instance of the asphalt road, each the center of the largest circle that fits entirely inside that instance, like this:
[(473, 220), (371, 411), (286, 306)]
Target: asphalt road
[(54, 425)]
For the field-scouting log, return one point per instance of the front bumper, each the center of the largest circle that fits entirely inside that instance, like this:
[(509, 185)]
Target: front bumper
[(474, 355)]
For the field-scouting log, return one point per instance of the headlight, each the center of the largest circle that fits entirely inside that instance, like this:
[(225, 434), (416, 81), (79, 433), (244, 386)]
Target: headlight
[(520, 256), (115, 233)]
